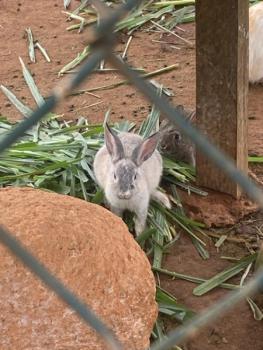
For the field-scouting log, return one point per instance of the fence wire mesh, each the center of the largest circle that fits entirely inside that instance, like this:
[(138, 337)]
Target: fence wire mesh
[(101, 38)]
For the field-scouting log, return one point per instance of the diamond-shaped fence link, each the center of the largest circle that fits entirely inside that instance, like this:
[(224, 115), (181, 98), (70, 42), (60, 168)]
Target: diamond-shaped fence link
[(101, 38)]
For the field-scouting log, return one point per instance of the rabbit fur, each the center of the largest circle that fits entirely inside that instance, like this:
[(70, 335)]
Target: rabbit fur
[(256, 43), (173, 143), (129, 170)]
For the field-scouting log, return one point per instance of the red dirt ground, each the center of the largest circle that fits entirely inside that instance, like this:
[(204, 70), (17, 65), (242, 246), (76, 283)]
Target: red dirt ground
[(238, 330)]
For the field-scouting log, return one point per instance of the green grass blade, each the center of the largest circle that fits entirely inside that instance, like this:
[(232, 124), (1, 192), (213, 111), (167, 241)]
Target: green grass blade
[(146, 234), (98, 197), (31, 84), (192, 279), (158, 331), (174, 2), (255, 159), (169, 306), (31, 49), (224, 275), (80, 57), (23, 109), (43, 51)]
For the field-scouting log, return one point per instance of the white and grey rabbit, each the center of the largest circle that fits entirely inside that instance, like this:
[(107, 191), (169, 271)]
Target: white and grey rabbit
[(173, 143), (256, 43), (129, 170)]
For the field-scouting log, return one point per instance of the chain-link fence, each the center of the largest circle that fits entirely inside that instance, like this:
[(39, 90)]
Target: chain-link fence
[(102, 42)]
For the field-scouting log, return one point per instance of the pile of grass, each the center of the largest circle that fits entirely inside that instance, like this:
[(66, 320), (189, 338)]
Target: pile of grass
[(162, 16)]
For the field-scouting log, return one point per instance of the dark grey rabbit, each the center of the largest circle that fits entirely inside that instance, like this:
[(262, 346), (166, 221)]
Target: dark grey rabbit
[(129, 170), (175, 144)]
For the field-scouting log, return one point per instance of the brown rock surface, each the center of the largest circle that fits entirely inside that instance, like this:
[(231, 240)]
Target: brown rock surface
[(91, 251)]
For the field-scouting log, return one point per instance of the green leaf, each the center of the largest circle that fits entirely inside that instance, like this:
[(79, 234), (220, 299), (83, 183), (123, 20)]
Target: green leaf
[(98, 197), (224, 275), (31, 84), (23, 109), (192, 279), (255, 159), (145, 235), (158, 331), (169, 306), (201, 249), (31, 49)]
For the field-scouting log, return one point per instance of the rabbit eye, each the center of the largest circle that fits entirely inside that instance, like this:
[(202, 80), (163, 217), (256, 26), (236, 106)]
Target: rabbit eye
[(177, 137), (135, 177), (115, 177)]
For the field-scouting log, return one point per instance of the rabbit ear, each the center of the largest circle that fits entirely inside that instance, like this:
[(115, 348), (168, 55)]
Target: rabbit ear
[(113, 144), (144, 151)]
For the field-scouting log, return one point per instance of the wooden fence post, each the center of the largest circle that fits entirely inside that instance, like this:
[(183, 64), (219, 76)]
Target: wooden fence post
[(222, 86)]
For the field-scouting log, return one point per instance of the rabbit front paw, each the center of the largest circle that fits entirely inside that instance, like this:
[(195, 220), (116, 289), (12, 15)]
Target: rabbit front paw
[(139, 227), (140, 222)]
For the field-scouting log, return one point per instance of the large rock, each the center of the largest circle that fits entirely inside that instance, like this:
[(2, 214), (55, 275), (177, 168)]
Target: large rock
[(92, 252)]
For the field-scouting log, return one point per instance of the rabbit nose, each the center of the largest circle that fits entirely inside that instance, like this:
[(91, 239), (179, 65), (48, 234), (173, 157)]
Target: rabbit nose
[(124, 195)]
